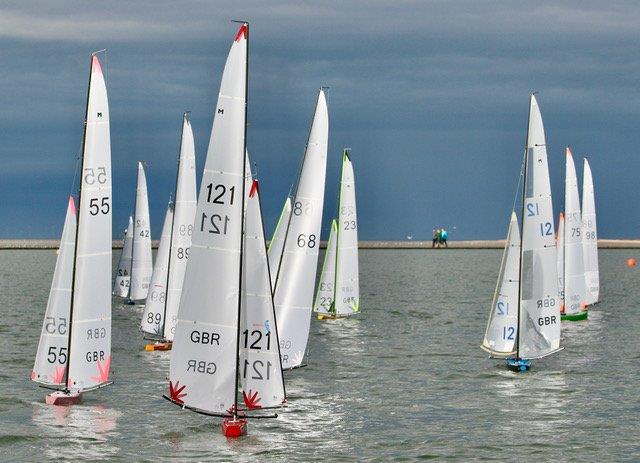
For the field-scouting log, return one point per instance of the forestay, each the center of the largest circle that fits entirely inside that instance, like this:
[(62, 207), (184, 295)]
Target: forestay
[(574, 281), (590, 236), (276, 244), (260, 368), (90, 344), (539, 318), (325, 293), (51, 357), (500, 335), (296, 278), (203, 369), (347, 288), (142, 264), (182, 229), (153, 314)]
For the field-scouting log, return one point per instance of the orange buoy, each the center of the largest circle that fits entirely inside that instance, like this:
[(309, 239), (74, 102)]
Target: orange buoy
[(631, 262)]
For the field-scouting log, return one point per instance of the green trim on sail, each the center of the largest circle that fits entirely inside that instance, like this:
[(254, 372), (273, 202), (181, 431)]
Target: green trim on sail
[(575, 316), (275, 231)]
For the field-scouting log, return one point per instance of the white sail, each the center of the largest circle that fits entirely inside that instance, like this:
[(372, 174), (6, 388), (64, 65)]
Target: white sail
[(51, 356), (184, 214), (142, 263), (325, 293), (122, 281), (203, 370), (347, 298), (277, 241), (297, 275), (500, 335), (539, 318), (260, 368), (90, 346), (560, 260), (153, 314), (590, 236), (574, 282)]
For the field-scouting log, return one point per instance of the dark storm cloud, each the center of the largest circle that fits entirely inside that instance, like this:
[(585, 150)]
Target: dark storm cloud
[(431, 96)]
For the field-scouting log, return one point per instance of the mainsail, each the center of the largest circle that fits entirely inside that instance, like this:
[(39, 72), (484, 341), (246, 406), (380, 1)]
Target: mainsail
[(142, 264), (347, 288), (539, 312), (276, 244), (89, 353), (590, 237), (500, 335), (204, 361), (574, 280), (51, 357), (123, 276), (295, 281), (182, 228)]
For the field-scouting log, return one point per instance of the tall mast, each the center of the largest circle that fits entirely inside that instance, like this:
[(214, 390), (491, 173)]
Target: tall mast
[(185, 115), (524, 193), (75, 244), (245, 26)]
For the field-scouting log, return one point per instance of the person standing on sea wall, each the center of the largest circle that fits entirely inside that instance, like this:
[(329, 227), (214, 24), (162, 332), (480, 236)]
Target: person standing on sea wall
[(435, 238)]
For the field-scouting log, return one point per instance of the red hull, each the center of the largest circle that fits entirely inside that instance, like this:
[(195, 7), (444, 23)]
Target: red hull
[(234, 428), (63, 398)]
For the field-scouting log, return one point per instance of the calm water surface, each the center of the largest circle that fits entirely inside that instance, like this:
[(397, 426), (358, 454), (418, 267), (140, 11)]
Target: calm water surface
[(403, 381)]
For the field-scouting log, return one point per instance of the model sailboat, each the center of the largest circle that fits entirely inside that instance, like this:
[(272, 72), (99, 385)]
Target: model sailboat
[(226, 337), (537, 331), (338, 292), (141, 260), (573, 305), (123, 276), (295, 280), (590, 237), (76, 333), (161, 313)]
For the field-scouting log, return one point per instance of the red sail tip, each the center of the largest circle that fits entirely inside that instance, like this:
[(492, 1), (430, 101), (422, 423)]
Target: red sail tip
[(242, 33), (72, 205), (254, 189), (95, 65)]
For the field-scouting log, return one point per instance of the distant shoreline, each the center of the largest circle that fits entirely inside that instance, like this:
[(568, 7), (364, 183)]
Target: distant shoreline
[(406, 244)]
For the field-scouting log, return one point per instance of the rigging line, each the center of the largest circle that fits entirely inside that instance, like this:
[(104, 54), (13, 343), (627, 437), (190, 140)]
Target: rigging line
[(515, 196)]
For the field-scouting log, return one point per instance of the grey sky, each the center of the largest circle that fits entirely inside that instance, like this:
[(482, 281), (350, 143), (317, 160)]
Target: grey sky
[(431, 97)]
